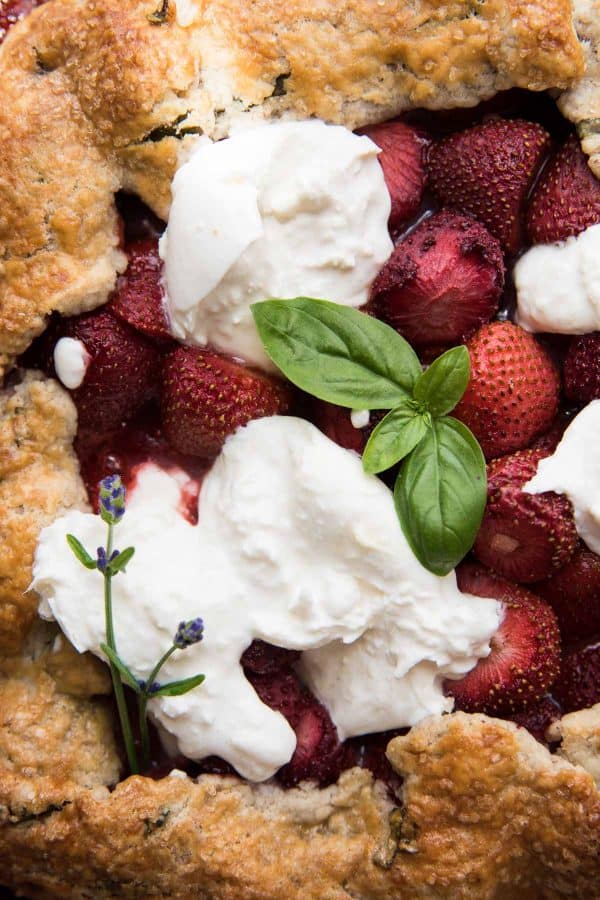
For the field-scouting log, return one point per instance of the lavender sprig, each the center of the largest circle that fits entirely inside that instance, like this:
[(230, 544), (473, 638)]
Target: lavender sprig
[(109, 562), (187, 634)]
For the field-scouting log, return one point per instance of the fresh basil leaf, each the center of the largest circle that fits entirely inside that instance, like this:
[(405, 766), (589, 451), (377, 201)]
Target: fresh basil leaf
[(119, 562), (176, 688), (80, 552), (440, 495), (442, 385), (337, 353), (394, 437), (128, 676)]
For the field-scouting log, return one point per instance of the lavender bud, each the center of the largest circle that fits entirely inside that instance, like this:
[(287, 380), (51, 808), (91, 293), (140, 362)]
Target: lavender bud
[(101, 559), (189, 633), (112, 499)]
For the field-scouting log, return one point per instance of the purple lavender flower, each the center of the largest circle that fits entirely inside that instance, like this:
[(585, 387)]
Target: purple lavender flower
[(112, 499), (189, 633), (101, 559)]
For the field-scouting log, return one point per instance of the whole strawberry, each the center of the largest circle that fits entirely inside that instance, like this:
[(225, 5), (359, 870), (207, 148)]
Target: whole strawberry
[(206, 396), (581, 369), (524, 537), (441, 282), (574, 595), (513, 393), (121, 373), (138, 299), (487, 172), (578, 686), (402, 158), (566, 199), (525, 651)]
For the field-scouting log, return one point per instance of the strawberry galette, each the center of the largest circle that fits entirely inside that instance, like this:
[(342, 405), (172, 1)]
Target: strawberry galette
[(299, 468)]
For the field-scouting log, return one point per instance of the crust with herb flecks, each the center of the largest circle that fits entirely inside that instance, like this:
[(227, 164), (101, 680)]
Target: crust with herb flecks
[(105, 95)]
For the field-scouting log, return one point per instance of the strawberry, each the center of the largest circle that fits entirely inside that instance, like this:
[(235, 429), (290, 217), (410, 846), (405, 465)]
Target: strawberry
[(138, 299), (402, 158), (264, 658), (368, 752), (525, 651), (513, 393), (206, 396), (13, 10), (317, 749), (121, 374), (538, 717), (487, 171), (579, 684), (550, 439), (566, 199), (441, 282), (574, 594), (524, 537), (581, 368)]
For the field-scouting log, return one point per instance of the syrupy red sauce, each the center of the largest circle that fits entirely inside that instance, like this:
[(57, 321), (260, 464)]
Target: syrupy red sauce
[(124, 453), (141, 440)]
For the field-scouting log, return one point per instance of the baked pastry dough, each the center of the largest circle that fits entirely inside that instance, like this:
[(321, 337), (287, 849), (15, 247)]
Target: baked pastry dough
[(106, 96), (98, 97)]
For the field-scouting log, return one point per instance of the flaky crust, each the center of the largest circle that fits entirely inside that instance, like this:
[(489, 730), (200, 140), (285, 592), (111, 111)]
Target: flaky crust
[(96, 97), (486, 813), (39, 480), (581, 104)]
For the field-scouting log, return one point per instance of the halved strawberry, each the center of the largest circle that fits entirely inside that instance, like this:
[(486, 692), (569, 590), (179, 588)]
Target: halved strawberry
[(514, 389), (566, 199), (13, 10), (578, 686), (524, 537), (441, 282), (487, 171), (402, 158), (264, 658), (581, 369), (574, 594), (138, 299), (206, 396), (121, 375), (318, 748), (525, 656), (538, 717)]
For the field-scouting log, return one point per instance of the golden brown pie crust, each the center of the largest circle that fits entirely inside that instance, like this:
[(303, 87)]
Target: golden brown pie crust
[(91, 91), (95, 98)]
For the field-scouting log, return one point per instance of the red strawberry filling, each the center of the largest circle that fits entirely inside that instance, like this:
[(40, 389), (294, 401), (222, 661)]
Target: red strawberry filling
[(145, 398), (566, 199), (441, 282), (402, 158), (524, 537), (525, 651)]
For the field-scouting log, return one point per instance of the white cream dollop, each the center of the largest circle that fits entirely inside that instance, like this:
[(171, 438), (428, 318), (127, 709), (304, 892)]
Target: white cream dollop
[(574, 470), (296, 545), (558, 285), (281, 210), (71, 361)]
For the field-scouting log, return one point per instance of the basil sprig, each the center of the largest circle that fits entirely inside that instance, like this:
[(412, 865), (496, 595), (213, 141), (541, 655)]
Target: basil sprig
[(346, 357)]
